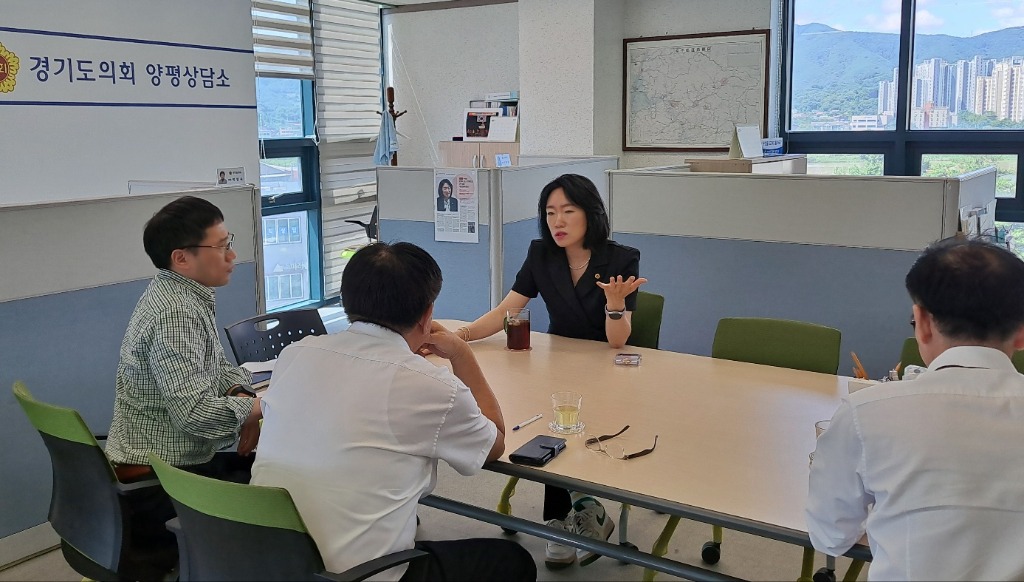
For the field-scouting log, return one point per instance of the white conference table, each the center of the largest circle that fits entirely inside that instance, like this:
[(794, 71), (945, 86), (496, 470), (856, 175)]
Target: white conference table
[(733, 437)]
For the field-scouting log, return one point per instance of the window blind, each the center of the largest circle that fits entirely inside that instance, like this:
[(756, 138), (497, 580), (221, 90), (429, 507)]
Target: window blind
[(348, 69), (282, 38), (349, 192), (347, 37)]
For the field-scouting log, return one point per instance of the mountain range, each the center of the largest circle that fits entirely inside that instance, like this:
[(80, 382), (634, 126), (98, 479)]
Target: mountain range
[(838, 71)]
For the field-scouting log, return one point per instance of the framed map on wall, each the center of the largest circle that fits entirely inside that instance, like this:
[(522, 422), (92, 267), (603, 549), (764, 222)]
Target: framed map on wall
[(688, 93)]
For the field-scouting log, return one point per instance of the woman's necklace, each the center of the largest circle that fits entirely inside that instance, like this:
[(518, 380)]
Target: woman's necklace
[(583, 266)]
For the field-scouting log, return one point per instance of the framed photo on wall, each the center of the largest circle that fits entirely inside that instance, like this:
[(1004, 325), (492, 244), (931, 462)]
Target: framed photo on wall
[(688, 92)]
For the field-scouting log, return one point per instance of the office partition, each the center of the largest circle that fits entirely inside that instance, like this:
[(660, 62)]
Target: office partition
[(832, 250)]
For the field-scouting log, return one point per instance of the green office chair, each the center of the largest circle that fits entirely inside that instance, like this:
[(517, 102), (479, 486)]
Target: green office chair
[(89, 509), (773, 342), (912, 355), (909, 355), (778, 342), (646, 331), (646, 322), (1018, 361), (220, 523)]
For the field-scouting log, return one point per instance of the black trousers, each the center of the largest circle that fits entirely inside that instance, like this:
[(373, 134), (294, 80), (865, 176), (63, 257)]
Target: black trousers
[(472, 559), (557, 503)]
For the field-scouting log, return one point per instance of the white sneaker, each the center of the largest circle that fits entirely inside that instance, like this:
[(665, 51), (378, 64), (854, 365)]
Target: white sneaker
[(593, 522), (556, 555)]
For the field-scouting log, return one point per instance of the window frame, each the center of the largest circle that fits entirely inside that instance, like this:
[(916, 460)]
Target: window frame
[(902, 148), (308, 199)]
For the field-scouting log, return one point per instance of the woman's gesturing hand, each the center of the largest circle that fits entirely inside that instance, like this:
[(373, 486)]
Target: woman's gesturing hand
[(616, 290)]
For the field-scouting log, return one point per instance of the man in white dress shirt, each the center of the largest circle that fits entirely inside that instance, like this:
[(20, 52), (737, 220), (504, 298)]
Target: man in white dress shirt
[(354, 424), (932, 469)]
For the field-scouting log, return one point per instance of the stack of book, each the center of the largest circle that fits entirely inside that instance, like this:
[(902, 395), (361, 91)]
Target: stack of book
[(507, 102)]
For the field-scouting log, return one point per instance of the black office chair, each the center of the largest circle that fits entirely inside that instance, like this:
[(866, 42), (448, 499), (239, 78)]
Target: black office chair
[(220, 523), (90, 510), (371, 227), (261, 338)]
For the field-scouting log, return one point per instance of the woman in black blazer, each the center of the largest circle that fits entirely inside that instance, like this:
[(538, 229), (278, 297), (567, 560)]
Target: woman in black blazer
[(445, 201), (589, 286)]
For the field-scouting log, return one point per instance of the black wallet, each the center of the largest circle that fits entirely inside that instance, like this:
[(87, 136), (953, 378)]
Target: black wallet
[(538, 451)]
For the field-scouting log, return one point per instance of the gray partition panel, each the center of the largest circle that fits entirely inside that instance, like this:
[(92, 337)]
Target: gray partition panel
[(466, 267), (65, 348), (520, 187), (59, 247), (858, 291)]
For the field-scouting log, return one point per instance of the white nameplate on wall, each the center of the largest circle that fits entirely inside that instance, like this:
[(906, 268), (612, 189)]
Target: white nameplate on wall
[(231, 176)]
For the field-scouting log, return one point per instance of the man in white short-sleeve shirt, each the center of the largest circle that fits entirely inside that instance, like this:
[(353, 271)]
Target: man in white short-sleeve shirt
[(354, 424), (932, 469)]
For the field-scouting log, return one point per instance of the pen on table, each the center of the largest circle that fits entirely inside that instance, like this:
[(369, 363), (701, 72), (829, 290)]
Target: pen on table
[(528, 421)]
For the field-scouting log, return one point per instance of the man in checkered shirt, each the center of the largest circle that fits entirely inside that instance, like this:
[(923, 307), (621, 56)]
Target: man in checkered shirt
[(177, 395)]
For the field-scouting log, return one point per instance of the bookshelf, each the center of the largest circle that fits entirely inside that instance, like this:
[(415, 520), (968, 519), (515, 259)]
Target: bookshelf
[(477, 152)]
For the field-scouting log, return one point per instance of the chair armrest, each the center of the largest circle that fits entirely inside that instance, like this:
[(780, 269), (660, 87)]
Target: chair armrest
[(367, 569)]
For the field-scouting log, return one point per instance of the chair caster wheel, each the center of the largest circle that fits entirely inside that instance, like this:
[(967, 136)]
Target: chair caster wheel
[(508, 532), (629, 545), (711, 552), (824, 575)]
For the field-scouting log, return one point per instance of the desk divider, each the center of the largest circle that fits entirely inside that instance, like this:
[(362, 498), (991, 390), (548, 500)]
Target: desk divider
[(832, 250)]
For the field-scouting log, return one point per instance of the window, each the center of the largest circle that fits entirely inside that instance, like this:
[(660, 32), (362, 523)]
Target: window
[(948, 165), (316, 145), (921, 87), (285, 289), (279, 107), (289, 161), (845, 164)]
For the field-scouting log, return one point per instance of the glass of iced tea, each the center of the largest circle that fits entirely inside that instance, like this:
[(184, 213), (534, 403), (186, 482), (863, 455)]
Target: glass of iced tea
[(566, 406), (517, 329)]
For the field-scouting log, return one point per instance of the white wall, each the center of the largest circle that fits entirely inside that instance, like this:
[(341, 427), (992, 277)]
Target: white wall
[(556, 57), (64, 140), (565, 58), (442, 59)]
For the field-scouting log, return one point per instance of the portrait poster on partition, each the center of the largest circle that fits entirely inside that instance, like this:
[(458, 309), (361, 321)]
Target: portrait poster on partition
[(456, 206)]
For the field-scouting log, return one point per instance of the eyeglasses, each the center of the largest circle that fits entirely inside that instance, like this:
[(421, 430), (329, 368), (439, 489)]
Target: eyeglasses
[(223, 248), (598, 445)]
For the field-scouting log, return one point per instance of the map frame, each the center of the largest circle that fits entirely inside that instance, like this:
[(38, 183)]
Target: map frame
[(759, 38)]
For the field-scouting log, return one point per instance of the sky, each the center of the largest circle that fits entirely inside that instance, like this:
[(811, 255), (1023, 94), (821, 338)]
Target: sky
[(953, 17)]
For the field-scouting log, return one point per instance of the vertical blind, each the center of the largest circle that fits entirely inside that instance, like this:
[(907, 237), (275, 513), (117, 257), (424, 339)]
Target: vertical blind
[(347, 38)]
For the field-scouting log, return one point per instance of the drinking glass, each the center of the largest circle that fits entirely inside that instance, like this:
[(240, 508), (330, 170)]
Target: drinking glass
[(566, 406), (517, 329)]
